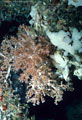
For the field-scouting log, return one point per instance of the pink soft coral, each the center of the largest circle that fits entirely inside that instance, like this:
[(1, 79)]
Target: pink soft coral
[(33, 59)]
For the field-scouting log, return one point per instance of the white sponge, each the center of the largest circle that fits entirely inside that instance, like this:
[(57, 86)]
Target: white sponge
[(76, 3)]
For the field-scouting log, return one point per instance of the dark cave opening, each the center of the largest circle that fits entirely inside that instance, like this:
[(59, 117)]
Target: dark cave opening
[(8, 28)]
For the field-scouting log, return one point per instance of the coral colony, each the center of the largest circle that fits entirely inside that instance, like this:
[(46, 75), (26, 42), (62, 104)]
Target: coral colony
[(43, 60), (33, 59)]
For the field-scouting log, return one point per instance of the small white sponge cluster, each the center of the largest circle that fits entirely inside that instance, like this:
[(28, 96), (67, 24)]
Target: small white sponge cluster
[(75, 3), (70, 44), (63, 41)]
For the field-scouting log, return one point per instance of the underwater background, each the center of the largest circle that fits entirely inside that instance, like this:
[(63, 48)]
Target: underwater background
[(52, 96)]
